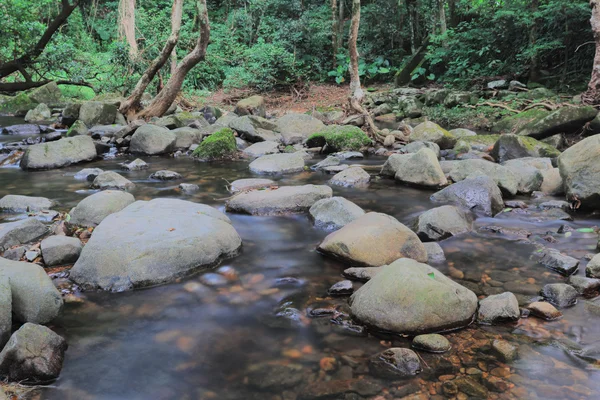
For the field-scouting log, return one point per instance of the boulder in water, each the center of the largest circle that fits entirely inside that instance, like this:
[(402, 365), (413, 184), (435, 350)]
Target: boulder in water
[(93, 209), (296, 128), (58, 154), (480, 194), (498, 308), (351, 177), (20, 232), (431, 132), (395, 363), (60, 250), (509, 147), (503, 176), (112, 180), (261, 149), (278, 164), (335, 212), (421, 168), (93, 113), (17, 204), (244, 185), (580, 171), (255, 129), (284, 200), (152, 140), (443, 222)]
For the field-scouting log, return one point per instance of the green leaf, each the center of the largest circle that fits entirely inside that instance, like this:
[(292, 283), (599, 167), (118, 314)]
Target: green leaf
[(68, 217), (431, 275), (568, 234), (508, 209), (586, 230)]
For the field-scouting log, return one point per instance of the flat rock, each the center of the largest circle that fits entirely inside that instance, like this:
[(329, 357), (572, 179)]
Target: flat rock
[(243, 185), (255, 129), (341, 288), (334, 213), (261, 149), (188, 188), (165, 175), (88, 174), (588, 287), (498, 308), (443, 222), (284, 200), (58, 154), (411, 298), (21, 204), (135, 165), (93, 209), (34, 354), (20, 232), (373, 240), (544, 311), (395, 363), (556, 261), (112, 180), (560, 295), (60, 250), (154, 242), (351, 177), (480, 194), (278, 164)]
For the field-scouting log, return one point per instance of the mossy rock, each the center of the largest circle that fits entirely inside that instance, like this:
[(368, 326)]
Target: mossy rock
[(563, 120), (217, 146), (432, 132), (478, 142), (340, 138), (510, 147), (78, 128), (520, 121), (18, 105)]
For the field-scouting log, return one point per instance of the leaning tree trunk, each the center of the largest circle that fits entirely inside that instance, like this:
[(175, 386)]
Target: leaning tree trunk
[(161, 103), (357, 95), (132, 105), (592, 95)]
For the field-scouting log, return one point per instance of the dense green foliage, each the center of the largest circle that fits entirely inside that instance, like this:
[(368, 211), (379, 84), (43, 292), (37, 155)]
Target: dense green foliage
[(266, 44)]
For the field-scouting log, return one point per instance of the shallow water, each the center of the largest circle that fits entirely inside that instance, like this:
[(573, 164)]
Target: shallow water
[(187, 340)]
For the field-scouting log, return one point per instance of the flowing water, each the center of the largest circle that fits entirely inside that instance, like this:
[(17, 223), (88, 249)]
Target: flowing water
[(254, 338)]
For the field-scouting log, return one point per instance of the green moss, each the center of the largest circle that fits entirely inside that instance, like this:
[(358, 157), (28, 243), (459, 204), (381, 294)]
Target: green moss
[(18, 104), (289, 149), (219, 145), (480, 118), (340, 138), (521, 120), (543, 149)]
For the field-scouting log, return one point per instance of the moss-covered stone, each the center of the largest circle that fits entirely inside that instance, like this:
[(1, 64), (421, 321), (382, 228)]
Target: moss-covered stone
[(18, 105), (219, 145), (520, 121), (478, 142), (563, 120), (340, 138), (432, 132), (509, 147)]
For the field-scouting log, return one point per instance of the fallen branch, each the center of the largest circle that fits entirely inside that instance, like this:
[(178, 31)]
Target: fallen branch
[(20, 86)]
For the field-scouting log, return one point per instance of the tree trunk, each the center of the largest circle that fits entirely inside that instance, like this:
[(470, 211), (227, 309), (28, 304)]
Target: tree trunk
[(133, 103), (127, 26), (28, 58), (161, 103), (534, 65), (442, 17), (453, 14), (592, 95), (334, 33), (412, 23), (356, 93)]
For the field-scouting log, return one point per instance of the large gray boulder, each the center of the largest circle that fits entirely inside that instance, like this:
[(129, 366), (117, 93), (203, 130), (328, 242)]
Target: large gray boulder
[(414, 147), (20, 232), (58, 154), (152, 140), (285, 200), (334, 213), (529, 177), (255, 129), (373, 240), (563, 120), (552, 182), (296, 128), (112, 180), (431, 132), (278, 164), (504, 177), (580, 171), (34, 354), (509, 147), (185, 137), (5, 310), (351, 177), (480, 194), (443, 222), (421, 168), (18, 204), (40, 113), (34, 296), (411, 298), (93, 209), (245, 185), (154, 242), (60, 250), (93, 113), (261, 149)]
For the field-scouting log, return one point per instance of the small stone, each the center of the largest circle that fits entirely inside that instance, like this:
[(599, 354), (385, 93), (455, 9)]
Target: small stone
[(389, 141), (165, 175), (135, 165), (395, 363), (588, 287), (544, 310), (449, 388), (212, 279), (435, 253), (361, 274), (498, 308), (432, 343), (560, 295), (31, 255), (188, 188), (60, 250), (505, 351), (112, 180), (88, 174), (553, 259), (351, 177), (341, 289), (471, 387), (15, 254)]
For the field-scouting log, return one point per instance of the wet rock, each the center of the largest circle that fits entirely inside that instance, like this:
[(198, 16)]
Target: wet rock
[(334, 169), (588, 287), (88, 174), (112, 180), (5, 310), (461, 132), (503, 176), (104, 131), (152, 140), (154, 242), (351, 177), (504, 350), (261, 149), (471, 387), (552, 183), (243, 185), (21, 130), (278, 164), (60, 250), (560, 295), (186, 137), (362, 274), (330, 161), (544, 310), (579, 170), (443, 222), (77, 129), (411, 298), (498, 308), (509, 147), (480, 194), (165, 175), (93, 113), (20, 232), (334, 213), (135, 165), (34, 297), (431, 132), (15, 254), (34, 354), (563, 120), (170, 122), (421, 168), (336, 388), (373, 240), (341, 288), (530, 178), (188, 188), (58, 154), (39, 114), (93, 209), (395, 363), (593, 267), (285, 200), (254, 105), (556, 261), (432, 343), (435, 253), (21, 204), (271, 376), (212, 279), (31, 255), (255, 129), (296, 128), (414, 147)]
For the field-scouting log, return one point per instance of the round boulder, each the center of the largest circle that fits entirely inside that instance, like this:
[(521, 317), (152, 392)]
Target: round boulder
[(151, 140), (93, 209), (443, 222), (335, 212)]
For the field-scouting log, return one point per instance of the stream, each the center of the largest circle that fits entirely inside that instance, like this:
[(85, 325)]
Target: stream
[(197, 338)]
